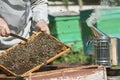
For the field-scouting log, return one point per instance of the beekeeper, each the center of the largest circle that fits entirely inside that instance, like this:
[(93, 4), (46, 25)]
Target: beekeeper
[(19, 17)]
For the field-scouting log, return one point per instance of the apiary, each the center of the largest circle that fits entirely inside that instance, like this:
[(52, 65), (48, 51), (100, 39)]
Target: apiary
[(26, 57)]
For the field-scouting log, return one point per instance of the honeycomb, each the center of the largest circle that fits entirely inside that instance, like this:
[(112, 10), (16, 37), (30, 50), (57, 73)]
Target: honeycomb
[(36, 51)]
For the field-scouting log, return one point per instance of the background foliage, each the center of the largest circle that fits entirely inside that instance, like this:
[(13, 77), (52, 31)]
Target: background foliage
[(74, 56)]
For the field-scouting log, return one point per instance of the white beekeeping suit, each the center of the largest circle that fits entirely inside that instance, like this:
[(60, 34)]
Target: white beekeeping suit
[(19, 14)]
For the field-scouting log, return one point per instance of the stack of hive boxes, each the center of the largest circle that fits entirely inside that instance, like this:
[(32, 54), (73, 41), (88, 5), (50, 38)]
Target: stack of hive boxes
[(65, 26)]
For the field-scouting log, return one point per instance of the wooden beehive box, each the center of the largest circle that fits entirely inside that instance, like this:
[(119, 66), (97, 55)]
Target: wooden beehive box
[(26, 57), (86, 72)]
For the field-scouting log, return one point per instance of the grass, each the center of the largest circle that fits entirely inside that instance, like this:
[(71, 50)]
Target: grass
[(73, 56)]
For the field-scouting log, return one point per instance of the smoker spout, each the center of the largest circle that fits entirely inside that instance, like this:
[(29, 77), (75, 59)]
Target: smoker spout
[(98, 33)]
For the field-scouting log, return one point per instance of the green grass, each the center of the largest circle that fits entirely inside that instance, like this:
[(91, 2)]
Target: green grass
[(73, 56)]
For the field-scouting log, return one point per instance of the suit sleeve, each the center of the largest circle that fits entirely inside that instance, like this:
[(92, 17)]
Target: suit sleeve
[(39, 10)]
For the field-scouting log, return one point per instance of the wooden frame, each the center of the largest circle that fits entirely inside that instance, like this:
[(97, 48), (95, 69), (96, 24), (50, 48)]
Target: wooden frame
[(2, 67)]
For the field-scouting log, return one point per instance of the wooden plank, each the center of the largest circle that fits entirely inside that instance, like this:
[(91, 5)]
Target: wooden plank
[(113, 52)]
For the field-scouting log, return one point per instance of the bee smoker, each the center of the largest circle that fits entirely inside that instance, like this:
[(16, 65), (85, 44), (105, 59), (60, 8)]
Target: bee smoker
[(102, 51), (101, 43)]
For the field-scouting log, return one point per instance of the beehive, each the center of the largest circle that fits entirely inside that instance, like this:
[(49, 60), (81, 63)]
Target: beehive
[(26, 57)]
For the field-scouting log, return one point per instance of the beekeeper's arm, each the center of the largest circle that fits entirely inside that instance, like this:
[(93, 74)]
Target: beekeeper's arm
[(40, 15)]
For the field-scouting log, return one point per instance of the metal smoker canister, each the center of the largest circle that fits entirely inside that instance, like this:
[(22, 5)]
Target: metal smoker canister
[(102, 51)]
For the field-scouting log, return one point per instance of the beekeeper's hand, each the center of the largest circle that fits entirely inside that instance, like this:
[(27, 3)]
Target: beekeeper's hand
[(4, 30), (43, 27)]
